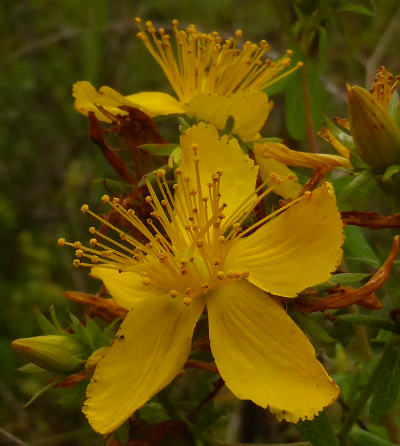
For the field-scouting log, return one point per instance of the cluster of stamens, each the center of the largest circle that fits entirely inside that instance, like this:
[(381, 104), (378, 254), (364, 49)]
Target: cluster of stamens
[(384, 86), (206, 63), (188, 235)]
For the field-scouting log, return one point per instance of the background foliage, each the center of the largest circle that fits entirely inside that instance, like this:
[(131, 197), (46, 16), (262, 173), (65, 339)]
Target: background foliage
[(49, 166)]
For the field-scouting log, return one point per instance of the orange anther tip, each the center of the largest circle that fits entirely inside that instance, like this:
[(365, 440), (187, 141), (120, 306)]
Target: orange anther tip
[(61, 241), (300, 64), (137, 20), (84, 208), (92, 230), (105, 198)]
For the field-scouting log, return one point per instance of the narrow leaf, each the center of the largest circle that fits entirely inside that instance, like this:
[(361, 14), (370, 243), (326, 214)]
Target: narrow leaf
[(314, 329), (387, 387), (363, 438), (318, 431), (369, 321)]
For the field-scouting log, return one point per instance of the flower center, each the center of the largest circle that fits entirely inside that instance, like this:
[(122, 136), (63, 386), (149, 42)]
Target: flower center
[(188, 235), (205, 63)]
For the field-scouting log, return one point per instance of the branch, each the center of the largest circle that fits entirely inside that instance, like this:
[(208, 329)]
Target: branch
[(371, 220)]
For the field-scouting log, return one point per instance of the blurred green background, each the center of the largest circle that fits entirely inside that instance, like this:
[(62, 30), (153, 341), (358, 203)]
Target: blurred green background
[(49, 166)]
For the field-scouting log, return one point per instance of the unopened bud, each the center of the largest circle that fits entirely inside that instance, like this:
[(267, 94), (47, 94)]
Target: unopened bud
[(375, 133), (54, 353)]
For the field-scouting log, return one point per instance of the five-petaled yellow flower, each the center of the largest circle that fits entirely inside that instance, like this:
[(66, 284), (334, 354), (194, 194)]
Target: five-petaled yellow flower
[(212, 78), (198, 254)]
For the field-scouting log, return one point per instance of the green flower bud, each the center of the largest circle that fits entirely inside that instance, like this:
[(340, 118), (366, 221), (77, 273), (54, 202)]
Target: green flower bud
[(54, 353), (374, 131)]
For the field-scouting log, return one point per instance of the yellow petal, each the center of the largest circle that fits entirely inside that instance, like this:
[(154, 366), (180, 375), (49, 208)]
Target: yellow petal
[(150, 349), (155, 103), (299, 248), (300, 159), (88, 99), (263, 356), (239, 174), (250, 110), (126, 288), (289, 188)]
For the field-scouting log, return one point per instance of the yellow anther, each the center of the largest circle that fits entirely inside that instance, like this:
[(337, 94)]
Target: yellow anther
[(220, 275), (164, 202), (93, 241), (236, 227), (187, 300), (221, 239), (205, 285), (238, 33), (149, 24), (188, 291), (300, 64), (289, 52), (161, 173), (84, 208), (77, 245), (79, 253), (200, 243), (92, 230), (61, 241), (94, 259), (105, 198), (175, 22), (137, 20), (146, 281), (173, 293), (195, 147), (178, 171), (115, 200), (76, 263), (219, 172), (175, 187)]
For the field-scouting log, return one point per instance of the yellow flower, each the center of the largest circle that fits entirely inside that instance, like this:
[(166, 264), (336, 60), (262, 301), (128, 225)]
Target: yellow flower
[(212, 78), (196, 251)]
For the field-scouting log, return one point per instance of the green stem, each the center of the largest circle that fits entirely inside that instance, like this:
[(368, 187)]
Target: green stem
[(364, 396), (308, 120)]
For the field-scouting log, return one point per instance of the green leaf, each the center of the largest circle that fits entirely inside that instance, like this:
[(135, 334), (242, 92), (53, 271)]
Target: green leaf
[(356, 9), (387, 387), (358, 182), (122, 433), (159, 149), (314, 329), (322, 47), (363, 438), (390, 171), (355, 244), (369, 321), (295, 121), (348, 278), (55, 320), (318, 431)]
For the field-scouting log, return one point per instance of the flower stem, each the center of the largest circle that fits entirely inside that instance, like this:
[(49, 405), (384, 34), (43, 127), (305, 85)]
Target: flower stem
[(310, 131)]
